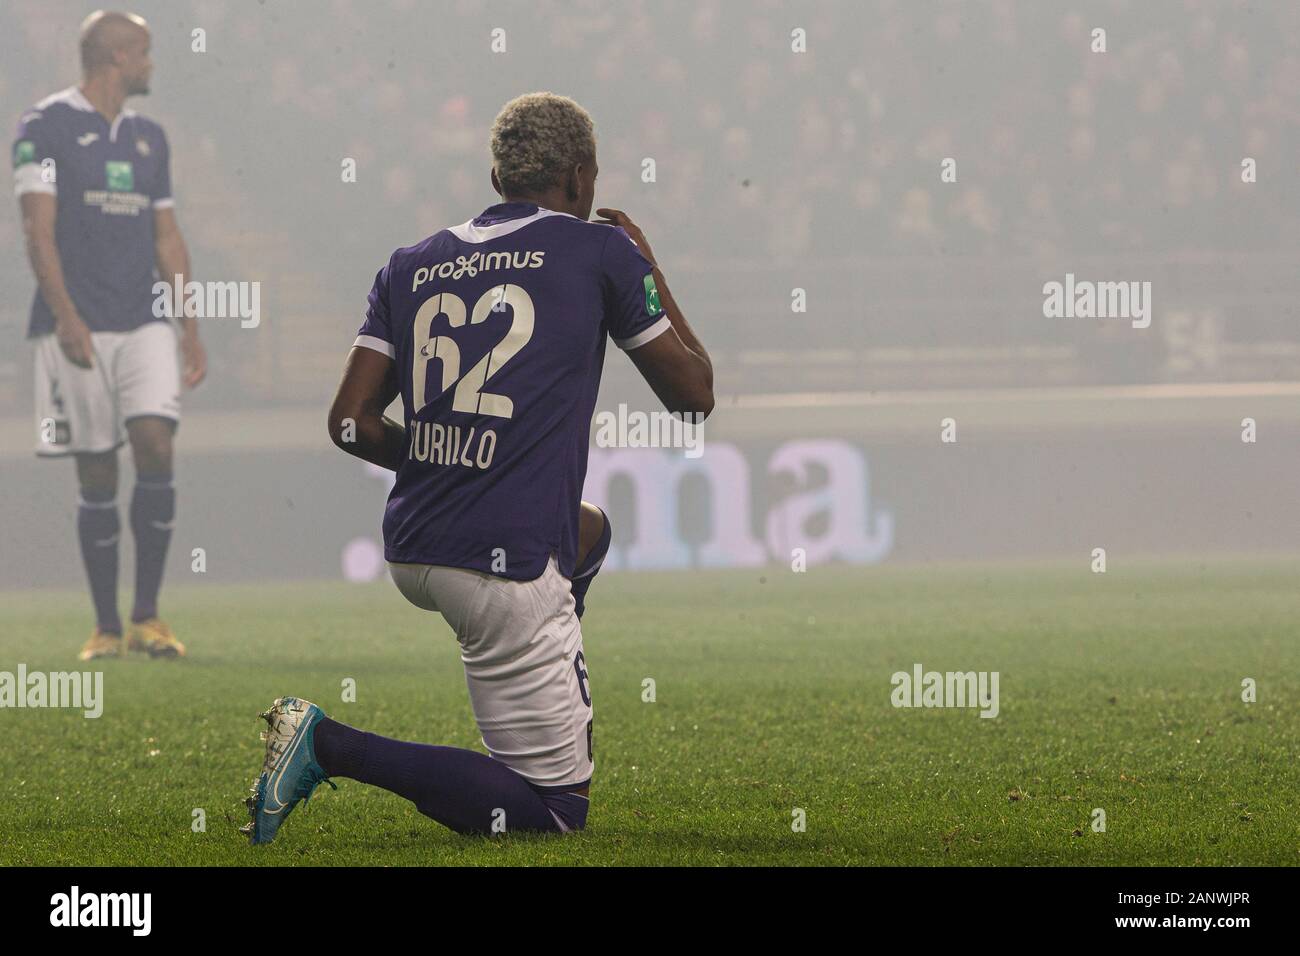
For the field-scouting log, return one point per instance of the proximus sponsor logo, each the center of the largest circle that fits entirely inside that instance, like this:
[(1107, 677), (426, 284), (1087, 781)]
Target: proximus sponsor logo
[(962, 689), (75, 908), (83, 690), (475, 263)]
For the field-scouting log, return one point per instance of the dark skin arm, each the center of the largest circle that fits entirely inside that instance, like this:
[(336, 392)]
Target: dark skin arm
[(681, 377), (675, 364), (369, 386)]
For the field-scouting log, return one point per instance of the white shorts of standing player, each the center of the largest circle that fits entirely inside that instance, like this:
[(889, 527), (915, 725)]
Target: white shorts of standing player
[(521, 644), (85, 411)]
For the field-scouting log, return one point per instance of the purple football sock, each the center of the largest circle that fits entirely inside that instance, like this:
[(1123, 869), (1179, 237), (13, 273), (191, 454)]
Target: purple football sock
[(153, 505), (99, 529), (585, 572), (461, 789)]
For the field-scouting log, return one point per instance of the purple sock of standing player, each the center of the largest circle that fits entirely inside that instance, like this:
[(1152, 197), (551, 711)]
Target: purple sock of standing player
[(461, 789), (98, 530), (153, 506)]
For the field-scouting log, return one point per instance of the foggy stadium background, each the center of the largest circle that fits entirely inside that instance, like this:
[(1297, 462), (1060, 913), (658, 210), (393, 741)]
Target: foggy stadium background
[(774, 171)]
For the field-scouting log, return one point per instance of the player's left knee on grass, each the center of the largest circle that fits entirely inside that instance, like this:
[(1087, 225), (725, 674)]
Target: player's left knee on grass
[(505, 813)]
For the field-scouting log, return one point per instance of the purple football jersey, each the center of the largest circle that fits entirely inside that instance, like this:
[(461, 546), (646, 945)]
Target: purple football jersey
[(498, 330), (108, 180)]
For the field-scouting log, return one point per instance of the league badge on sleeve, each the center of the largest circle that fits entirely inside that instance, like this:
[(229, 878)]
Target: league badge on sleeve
[(652, 305), (24, 152)]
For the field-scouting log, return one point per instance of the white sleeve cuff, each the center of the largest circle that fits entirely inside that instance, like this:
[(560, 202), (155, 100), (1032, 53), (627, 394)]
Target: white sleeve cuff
[(167, 203), (645, 335), (28, 178), (378, 344)]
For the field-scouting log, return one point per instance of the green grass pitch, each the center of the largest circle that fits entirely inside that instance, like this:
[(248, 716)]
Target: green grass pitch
[(1119, 691)]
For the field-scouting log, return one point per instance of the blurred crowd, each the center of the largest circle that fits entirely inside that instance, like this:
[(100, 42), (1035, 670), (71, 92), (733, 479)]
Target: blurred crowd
[(763, 158)]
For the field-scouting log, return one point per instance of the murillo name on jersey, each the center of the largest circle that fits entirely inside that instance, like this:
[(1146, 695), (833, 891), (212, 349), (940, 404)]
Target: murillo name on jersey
[(498, 328), (108, 178), (445, 445)]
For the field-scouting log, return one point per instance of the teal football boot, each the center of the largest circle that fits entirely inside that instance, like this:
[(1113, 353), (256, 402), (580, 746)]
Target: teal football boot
[(290, 773)]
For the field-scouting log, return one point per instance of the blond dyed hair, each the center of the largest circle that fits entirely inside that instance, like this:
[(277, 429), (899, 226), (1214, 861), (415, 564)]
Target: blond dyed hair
[(536, 139)]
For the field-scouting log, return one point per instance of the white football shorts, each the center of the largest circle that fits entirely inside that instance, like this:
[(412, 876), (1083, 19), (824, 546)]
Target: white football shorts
[(84, 411), (521, 644)]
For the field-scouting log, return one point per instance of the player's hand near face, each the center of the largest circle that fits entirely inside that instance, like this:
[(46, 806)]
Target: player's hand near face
[(194, 356), (675, 364), (617, 217)]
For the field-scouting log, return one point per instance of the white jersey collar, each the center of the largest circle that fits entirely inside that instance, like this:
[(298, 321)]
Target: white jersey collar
[(468, 232)]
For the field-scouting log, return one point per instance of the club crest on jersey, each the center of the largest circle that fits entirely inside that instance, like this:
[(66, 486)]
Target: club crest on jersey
[(120, 176), (142, 147)]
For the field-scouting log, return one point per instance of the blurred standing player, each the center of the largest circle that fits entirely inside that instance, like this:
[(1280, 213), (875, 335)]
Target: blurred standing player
[(493, 332), (94, 183)]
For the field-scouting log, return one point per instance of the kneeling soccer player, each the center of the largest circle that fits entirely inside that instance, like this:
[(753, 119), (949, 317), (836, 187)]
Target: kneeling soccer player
[(493, 333)]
